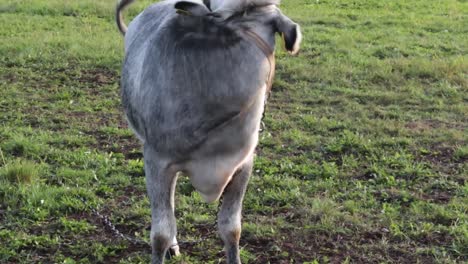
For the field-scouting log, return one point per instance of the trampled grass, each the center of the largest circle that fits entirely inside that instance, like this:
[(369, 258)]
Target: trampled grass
[(364, 156)]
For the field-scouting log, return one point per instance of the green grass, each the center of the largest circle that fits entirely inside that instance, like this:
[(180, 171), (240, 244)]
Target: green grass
[(364, 156)]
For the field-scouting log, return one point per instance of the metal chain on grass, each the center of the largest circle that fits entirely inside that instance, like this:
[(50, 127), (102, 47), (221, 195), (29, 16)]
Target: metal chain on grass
[(108, 224), (134, 240)]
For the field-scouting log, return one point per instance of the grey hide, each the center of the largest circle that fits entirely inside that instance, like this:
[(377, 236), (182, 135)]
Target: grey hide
[(193, 89)]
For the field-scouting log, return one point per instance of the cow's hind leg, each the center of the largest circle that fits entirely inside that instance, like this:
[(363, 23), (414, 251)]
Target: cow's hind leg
[(229, 216), (160, 183), (174, 249)]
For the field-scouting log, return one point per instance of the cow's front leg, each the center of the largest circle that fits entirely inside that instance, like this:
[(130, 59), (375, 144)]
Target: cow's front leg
[(229, 216), (160, 183)]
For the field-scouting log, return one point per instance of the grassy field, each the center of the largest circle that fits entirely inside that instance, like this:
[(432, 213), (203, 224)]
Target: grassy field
[(364, 157)]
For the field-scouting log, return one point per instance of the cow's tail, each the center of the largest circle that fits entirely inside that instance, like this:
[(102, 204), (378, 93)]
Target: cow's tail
[(121, 5)]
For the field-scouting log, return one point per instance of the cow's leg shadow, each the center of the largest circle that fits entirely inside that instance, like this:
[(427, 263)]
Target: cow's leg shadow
[(229, 216), (160, 182)]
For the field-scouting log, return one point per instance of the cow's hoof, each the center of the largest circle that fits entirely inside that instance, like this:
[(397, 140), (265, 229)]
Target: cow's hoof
[(173, 251)]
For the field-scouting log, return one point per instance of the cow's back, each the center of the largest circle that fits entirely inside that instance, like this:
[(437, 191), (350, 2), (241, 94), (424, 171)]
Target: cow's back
[(184, 76)]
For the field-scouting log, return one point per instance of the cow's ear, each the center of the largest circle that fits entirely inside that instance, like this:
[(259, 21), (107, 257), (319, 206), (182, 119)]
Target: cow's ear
[(191, 8), (290, 32)]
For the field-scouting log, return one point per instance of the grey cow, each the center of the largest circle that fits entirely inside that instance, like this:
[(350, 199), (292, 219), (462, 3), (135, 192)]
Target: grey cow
[(194, 82)]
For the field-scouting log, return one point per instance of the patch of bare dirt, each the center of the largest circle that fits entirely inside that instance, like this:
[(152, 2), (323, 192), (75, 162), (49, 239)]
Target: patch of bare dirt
[(430, 124), (422, 125), (442, 160), (44, 77), (437, 196), (366, 247), (98, 77)]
